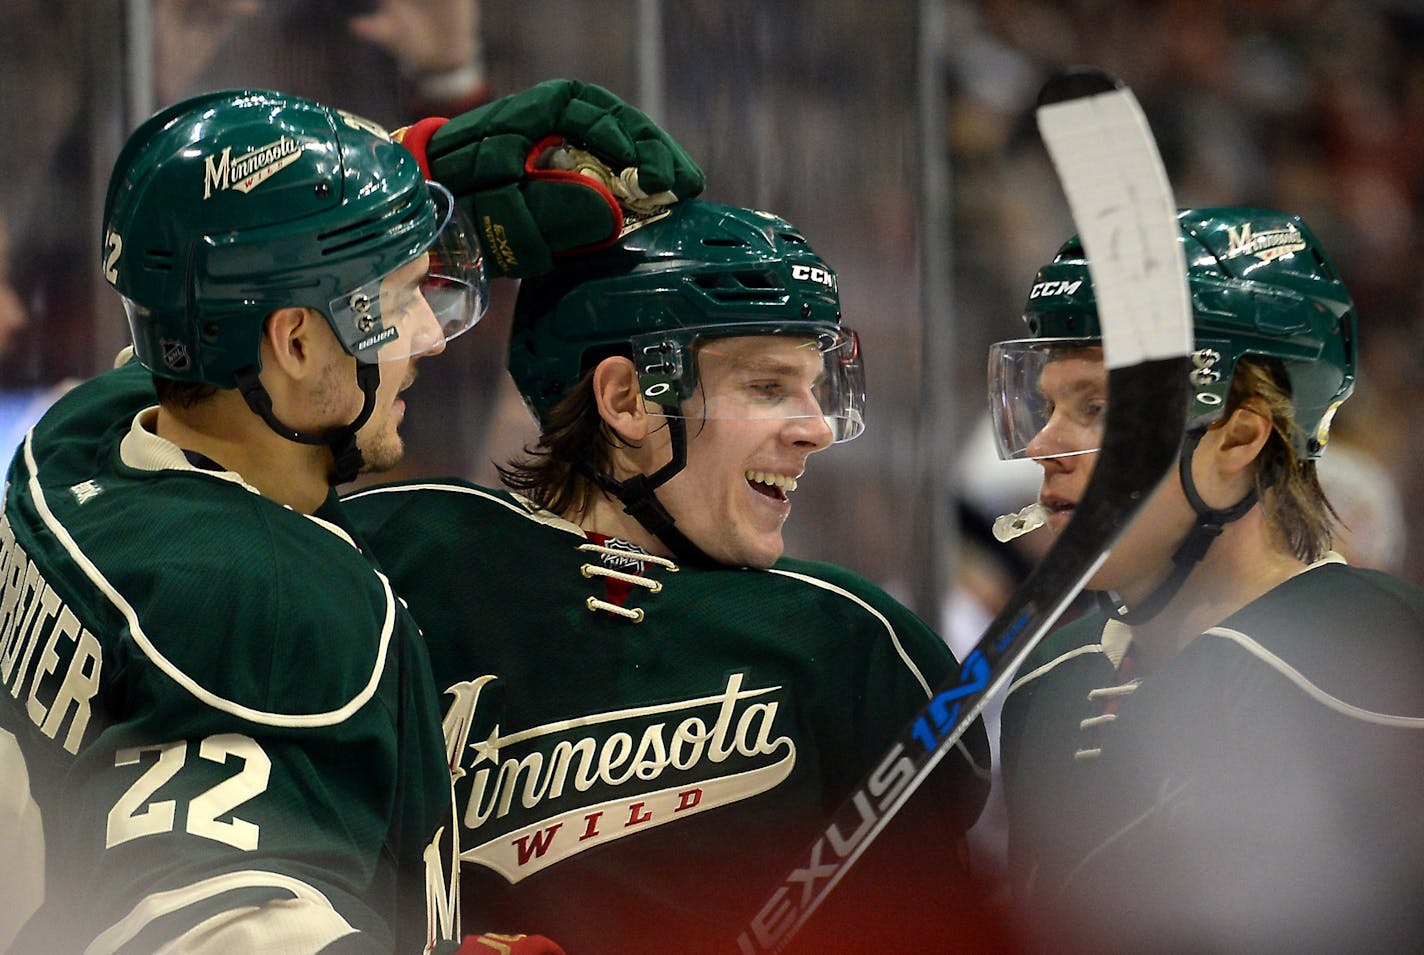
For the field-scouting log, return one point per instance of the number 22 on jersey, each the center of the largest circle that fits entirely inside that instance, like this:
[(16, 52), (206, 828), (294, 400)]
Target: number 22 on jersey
[(138, 814)]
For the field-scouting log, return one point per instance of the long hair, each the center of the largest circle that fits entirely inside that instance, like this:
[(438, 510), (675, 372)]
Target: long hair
[(573, 439), (1295, 504)]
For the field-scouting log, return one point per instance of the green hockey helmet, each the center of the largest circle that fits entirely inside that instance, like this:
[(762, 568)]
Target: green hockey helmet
[(1260, 284), (227, 206), (671, 289)]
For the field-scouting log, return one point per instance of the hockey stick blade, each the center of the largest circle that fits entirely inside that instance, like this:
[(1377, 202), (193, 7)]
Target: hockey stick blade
[(1112, 175)]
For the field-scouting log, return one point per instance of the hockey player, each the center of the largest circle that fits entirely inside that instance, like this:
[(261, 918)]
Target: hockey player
[(1226, 757), (649, 710), (220, 732)]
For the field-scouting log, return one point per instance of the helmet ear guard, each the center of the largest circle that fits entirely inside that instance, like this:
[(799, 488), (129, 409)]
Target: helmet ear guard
[(414, 309), (667, 369)]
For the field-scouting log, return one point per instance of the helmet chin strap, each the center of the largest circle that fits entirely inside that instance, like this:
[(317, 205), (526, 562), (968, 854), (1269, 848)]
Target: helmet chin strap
[(637, 497), (346, 456), (1208, 527)]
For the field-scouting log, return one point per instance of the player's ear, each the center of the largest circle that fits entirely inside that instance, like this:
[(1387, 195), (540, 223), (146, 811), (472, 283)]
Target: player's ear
[(1242, 436), (620, 403), (292, 342)]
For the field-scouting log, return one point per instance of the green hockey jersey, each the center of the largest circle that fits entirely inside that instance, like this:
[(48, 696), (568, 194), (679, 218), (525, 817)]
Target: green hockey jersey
[(1259, 792), (217, 726), (644, 749)]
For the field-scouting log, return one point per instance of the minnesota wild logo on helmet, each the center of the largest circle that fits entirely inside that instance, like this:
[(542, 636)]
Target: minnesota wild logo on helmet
[(225, 207), (1260, 285)]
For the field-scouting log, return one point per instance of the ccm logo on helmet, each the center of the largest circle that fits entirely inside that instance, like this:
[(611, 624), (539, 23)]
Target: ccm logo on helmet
[(811, 273), (1054, 288)]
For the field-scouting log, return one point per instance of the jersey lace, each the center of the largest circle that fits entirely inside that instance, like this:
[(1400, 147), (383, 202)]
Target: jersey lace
[(590, 570)]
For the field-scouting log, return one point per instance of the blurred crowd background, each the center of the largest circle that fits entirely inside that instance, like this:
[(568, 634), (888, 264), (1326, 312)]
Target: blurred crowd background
[(898, 134)]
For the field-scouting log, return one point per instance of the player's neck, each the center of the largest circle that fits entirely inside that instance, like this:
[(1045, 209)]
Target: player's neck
[(1242, 565), (223, 429), (606, 516)]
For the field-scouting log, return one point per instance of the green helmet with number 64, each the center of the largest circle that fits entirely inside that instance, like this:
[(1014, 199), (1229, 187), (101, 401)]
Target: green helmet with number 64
[(227, 206), (1260, 284)]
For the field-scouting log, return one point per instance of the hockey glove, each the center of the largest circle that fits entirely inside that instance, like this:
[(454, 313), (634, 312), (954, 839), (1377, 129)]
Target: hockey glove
[(561, 167), (491, 943)]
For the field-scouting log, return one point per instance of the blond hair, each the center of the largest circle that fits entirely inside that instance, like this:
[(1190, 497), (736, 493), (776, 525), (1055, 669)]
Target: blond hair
[(1295, 504)]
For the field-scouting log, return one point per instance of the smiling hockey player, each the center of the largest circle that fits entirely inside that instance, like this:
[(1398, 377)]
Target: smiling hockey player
[(651, 711)]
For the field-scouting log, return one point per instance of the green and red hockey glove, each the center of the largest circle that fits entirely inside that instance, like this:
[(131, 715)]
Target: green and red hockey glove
[(562, 167)]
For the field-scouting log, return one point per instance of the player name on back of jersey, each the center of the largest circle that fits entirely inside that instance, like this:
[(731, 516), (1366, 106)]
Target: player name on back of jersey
[(47, 657), (664, 762)]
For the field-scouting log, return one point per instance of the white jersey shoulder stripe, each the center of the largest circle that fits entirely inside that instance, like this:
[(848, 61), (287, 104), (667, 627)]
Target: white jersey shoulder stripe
[(1311, 689), (521, 506), (1053, 664), (172, 670), (980, 770), (889, 630), (304, 922)]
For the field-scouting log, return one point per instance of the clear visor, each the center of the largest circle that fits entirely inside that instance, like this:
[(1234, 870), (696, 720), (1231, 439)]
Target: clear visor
[(424, 303), (755, 371), (1048, 397)]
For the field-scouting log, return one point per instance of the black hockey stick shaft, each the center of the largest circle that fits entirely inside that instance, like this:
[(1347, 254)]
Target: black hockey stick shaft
[(1125, 213)]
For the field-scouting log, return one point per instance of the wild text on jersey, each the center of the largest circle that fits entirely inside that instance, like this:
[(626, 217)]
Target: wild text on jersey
[(46, 654)]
